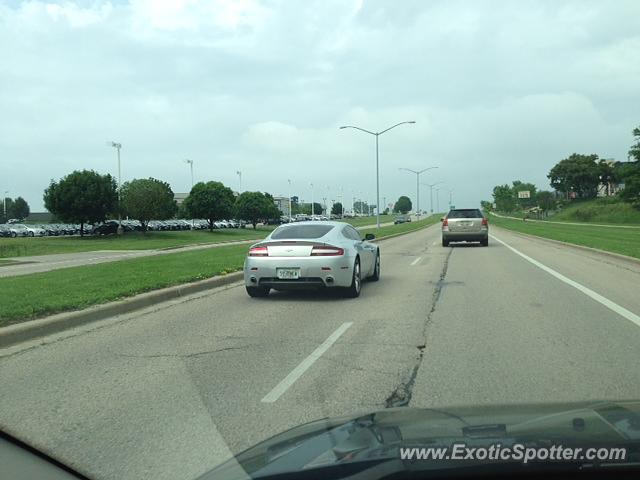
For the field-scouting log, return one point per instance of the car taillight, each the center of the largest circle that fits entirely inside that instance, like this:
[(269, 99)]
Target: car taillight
[(445, 223), (326, 251), (258, 252), (485, 222)]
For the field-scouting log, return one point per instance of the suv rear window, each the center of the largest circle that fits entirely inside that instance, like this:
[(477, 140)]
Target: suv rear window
[(466, 213), (301, 231)]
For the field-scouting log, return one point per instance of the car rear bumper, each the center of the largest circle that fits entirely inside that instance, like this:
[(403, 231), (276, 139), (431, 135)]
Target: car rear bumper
[(315, 272), (465, 236)]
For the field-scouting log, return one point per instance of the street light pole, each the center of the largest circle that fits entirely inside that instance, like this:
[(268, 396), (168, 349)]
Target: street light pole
[(290, 212), (190, 162), (431, 192), (239, 173), (377, 134), (118, 146), (312, 209), (418, 172), (450, 197), (4, 204), (438, 199)]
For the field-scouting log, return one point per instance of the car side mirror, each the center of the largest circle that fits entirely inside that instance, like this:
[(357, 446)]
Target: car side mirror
[(369, 236)]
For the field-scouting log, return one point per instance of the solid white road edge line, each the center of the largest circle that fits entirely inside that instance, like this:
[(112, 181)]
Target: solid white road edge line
[(587, 291), (416, 261), (297, 372)]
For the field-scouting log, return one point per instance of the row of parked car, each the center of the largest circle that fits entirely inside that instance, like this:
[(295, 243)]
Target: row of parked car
[(110, 226), (28, 230)]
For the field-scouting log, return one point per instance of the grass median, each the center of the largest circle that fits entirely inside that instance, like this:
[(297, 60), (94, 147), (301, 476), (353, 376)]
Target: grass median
[(625, 241), (21, 247), (36, 295)]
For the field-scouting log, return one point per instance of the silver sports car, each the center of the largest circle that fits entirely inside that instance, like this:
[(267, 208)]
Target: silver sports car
[(311, 255)]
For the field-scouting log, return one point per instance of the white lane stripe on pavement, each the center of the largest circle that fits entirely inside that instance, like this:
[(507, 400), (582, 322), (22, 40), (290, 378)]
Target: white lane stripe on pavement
[(578, 286), (297, 372), (416, 261)]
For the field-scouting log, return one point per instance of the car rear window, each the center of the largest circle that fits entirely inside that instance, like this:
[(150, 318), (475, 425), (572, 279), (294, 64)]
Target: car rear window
[(301, 231), (465, 213)]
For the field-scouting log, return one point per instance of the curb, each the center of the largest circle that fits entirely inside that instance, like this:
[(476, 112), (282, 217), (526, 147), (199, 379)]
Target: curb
[(60, 322), (617, 256), (32, 329)]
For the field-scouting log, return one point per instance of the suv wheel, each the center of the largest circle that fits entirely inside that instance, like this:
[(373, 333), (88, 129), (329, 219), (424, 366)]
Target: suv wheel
[(445, 243)]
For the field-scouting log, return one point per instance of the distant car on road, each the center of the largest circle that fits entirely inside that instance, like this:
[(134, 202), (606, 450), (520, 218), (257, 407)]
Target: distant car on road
[(311, 254), (401, 219), (465, 225)]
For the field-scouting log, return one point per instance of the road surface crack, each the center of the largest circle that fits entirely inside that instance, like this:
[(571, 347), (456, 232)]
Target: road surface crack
[(182, 355), (401, 395)]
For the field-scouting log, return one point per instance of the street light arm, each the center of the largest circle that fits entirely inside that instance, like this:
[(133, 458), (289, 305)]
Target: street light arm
[(394, 126), (358, 128)]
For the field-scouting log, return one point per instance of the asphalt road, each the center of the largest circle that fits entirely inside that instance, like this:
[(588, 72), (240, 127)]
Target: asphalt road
[(171, 391)]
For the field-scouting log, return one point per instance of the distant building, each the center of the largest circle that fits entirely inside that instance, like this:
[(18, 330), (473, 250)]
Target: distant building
[(179, 197), (283, 205)]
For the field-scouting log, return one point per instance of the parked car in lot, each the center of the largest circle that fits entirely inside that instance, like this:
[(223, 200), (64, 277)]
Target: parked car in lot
[(465, 225), (311, 255), (401, 219), (4, 231)]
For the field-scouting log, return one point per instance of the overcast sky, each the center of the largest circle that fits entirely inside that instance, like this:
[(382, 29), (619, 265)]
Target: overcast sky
[(499, 90)]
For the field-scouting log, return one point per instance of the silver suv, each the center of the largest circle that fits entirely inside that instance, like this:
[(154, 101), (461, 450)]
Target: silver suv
[(465, 224)]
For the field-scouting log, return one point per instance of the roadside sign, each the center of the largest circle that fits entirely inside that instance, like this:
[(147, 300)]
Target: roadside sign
[(524, 194)]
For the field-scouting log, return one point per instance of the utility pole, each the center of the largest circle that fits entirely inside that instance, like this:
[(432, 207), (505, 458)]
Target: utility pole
[(190, 162), (290, 212), (118, 146), (239, 173), (377, 134)]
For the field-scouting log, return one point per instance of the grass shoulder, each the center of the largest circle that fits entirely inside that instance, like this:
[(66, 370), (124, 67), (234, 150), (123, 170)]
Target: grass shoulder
[(625, 241)]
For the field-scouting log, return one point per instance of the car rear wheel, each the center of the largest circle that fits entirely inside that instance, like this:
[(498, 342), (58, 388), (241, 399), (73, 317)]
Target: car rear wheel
[(376, 270), (14, 234), (258, 291), (353, 290), (485, 242), (445, 243)]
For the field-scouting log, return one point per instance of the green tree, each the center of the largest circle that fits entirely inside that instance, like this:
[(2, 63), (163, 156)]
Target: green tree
[(20, 208), (486, 205), (577, 173), (83, 196), (211, 200), (519, 186), (504, 198), (629, 172), (274, 212), (336, 209), (634, 151), (403, 205), (360, 207), (147, 199), (546, 200), (254, 206)]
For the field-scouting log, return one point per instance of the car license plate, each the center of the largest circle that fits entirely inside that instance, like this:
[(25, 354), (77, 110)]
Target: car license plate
[(288, 273)]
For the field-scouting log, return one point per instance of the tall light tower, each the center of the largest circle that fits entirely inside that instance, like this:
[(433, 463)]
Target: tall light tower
[(417, 173), (190, 162), (239, 173), (377, 134), (290, 212), (118, 146)]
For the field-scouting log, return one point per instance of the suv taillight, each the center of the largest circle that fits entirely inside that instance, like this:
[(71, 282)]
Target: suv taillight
[(258, 252), (485, 222), (326, 251), (445, 222)]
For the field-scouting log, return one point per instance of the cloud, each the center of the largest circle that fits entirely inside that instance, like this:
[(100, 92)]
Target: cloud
[(499, 90)]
